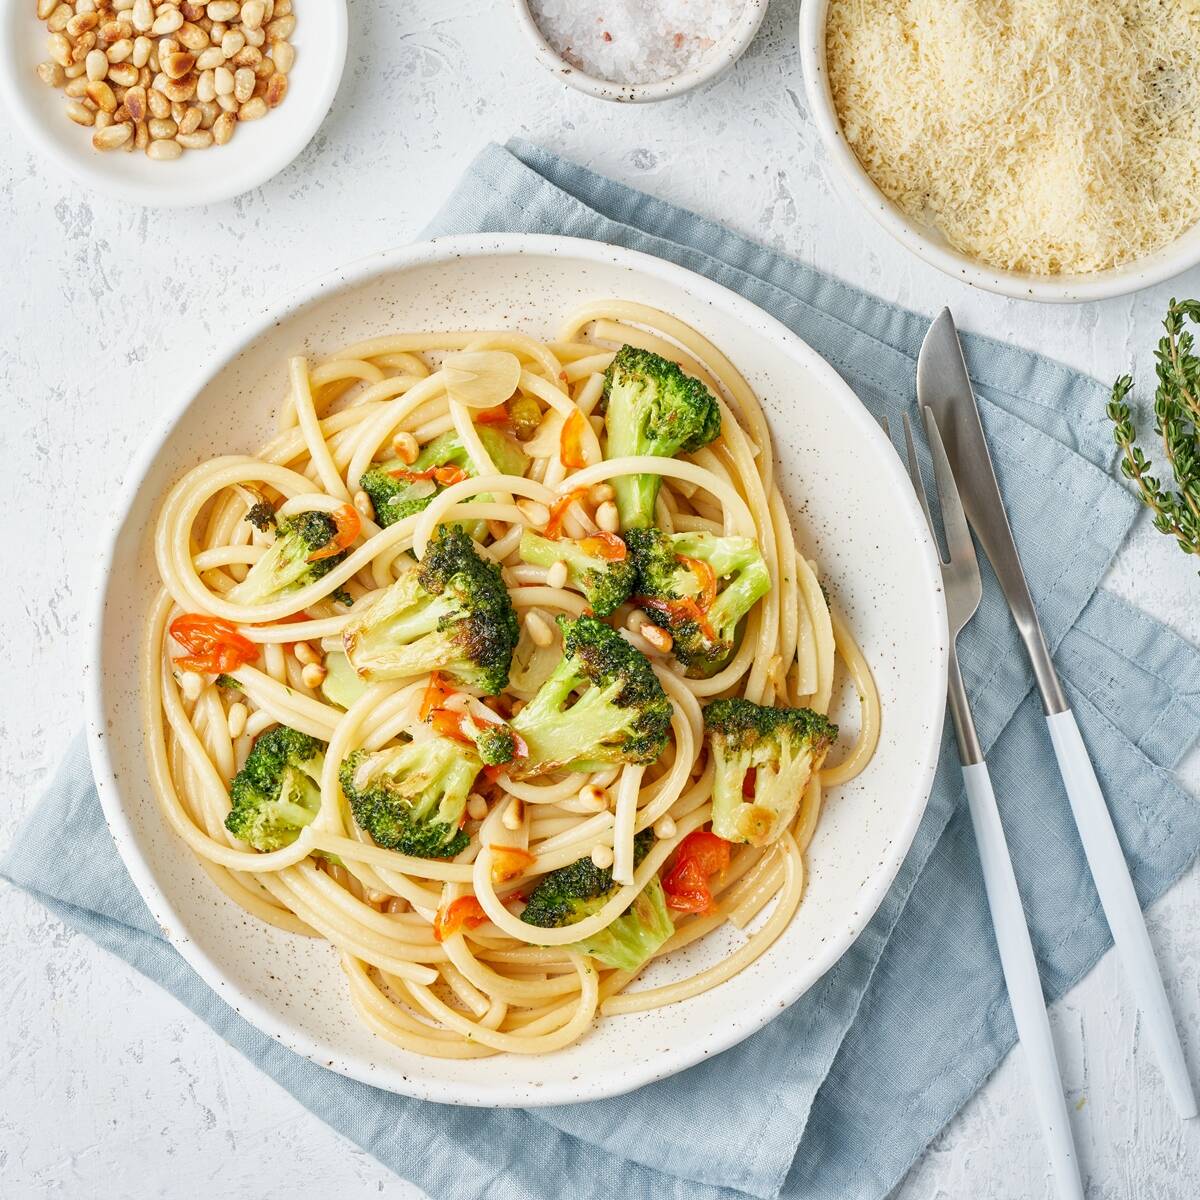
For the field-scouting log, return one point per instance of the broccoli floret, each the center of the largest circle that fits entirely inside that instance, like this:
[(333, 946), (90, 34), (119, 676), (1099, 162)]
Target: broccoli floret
[(278, 791), (287, 565), (781, 746), (636, 935), (620, 715), (669, 588), (578, 890), (412, 798), (261, 516), (652, 407), (495, 744), (393, 496), (451, 614), (604, 580)]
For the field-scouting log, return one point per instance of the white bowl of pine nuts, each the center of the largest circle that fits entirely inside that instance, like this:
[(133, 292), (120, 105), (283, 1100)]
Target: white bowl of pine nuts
[(171, 103)]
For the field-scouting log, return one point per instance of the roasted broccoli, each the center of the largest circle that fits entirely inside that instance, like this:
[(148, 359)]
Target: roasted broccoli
[(763, 758), (396, 494), (620, 715), (495, 744), (593, 566), (451, 614), (261, 515), (672, 590), (278, 791), (568, 895), (652, 407), (287, 564), (412, 798)]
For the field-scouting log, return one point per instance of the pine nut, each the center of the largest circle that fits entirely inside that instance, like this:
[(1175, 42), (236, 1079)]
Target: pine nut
[(163, 127), (80, 113), (243, 84), (538, 515), (636, 619), (52, 74), (601, 492), (191, 684), (209, 112), (112, 137), (84, 44), (281, 28), (664, 828), (177, 64), (602, 857), (142, 15), (158, 105), (228, 103), (405, 448), (124, 74), (45, 8), (222, 10), (189, 125), (283, 54), (539, 632), (514, 814), (141, 51), (556, 576), (658, 638), (199, 139), (168, 21), (255, 37), (77, 88), (223, 81), (263, 70), (206, 87), (593, 797), (283, 7), (216, 31), (252, 110), (209, 59), (232, 42), (57, 21), (120, 51), (75, 71), (103, 121), (163, 149), (79, 24), (313, 675), (607, 517), (222, 129), (193, 37), (237, 719), (141, 136), (191, 10), (477, 807), (276, 89), (306, 654), (102, 95), (362, 502), (253, 12), (60, 49)]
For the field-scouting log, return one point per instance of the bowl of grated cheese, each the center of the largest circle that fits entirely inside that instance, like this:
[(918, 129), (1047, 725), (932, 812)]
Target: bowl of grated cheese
[(1045, 151), (633, 51)]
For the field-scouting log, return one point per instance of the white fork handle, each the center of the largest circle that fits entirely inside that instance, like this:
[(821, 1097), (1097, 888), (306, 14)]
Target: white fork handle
[(1023, 982), (1110, 873)]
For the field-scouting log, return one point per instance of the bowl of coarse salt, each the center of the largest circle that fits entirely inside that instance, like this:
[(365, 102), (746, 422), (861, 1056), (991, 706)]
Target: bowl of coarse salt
[(633, 51)]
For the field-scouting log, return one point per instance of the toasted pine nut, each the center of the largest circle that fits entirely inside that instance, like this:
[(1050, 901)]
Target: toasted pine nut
[(222, 129), (141, 51), (83, 46), (664, 827), (77, 88), (281, 28), (180, 90), (602, 856), (255, 37), (141, 136), (81, 23), (190, 123), (253, 109), (103, 121), (405, 448), (243, 84), (124, 74), (198, 139), (158, 105), (477, 807), (556, 576), (216, 31), (193, 37), (96, 64), (237, 719), (57, 21), (228, 103), (119, 51), (283, 55), (594, 797), (282, 8), (177, 64), (276, 89), (223, 81), (142, 15), (163, 149), (60, 49), (80, 113), (306, 654), (362, 502), (660, 639), (601, 492), (253, 12), (75, 71), (191, 684), (163, 128), (209, 112), (205, 87), (223, 10), (46, 7), (514, 814), (232, 42), (209, 59), (636, 619), (607, 517), (102, 95), (538, 515), (539, 632), (168, 21), (313, 675), (51, 73), (193, 10)]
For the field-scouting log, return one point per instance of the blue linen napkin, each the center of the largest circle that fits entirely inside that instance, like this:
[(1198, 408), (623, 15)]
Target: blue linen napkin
[(837, 1096)]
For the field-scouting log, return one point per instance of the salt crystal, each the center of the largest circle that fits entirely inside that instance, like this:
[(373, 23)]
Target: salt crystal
[(634, 41)]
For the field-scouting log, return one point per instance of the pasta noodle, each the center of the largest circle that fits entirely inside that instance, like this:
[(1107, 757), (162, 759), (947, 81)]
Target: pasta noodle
[(495, 984)]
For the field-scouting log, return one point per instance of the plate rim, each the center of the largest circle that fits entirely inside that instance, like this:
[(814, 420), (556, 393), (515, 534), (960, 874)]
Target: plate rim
[(174, 926)]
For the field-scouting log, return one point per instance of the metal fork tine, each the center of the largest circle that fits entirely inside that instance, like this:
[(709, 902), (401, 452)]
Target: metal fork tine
[(914, 473), (959, 545)]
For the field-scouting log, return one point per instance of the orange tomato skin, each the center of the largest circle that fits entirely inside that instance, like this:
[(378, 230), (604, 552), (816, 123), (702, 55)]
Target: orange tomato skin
[(604, 545), (700, 855), (349, 526), (570, 441), (213, 645), (558, 512), (464, 913), (509, 861)]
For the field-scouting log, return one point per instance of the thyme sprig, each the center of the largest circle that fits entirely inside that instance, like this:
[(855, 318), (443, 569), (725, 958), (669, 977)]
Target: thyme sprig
[(1177, 425)]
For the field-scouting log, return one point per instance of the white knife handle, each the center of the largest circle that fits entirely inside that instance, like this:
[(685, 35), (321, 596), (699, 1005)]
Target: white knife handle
[(1110, 873), (1023, 982)]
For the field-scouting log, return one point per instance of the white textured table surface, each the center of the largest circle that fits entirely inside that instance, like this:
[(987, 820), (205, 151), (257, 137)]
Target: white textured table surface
[(110, 1088)]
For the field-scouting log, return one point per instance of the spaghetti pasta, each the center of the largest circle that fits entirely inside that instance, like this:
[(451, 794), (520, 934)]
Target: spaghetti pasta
[(437, 957)]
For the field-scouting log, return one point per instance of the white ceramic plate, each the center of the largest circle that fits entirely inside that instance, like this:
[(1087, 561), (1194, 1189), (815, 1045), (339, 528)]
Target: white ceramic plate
[(859, 519), (929, 244), (257, 150)]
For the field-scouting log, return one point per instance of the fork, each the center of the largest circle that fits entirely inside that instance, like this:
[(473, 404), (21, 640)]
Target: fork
[(963, 591)]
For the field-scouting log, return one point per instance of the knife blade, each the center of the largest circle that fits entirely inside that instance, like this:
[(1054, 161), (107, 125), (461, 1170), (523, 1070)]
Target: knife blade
[(944, 386)]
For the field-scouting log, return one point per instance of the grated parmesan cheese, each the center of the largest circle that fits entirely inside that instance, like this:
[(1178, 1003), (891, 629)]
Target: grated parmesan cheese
[(1047, 136)]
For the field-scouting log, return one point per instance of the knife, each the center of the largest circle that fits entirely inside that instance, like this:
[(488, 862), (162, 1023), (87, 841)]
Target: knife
[(943, 385)]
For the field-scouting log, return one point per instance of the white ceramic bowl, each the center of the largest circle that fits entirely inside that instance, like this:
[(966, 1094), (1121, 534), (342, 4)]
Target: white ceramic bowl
[(929, 244), (859, 519), (257, 150), (719, 58)]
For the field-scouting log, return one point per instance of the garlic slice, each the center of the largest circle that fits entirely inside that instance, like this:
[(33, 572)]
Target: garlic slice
[(481, 378)]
